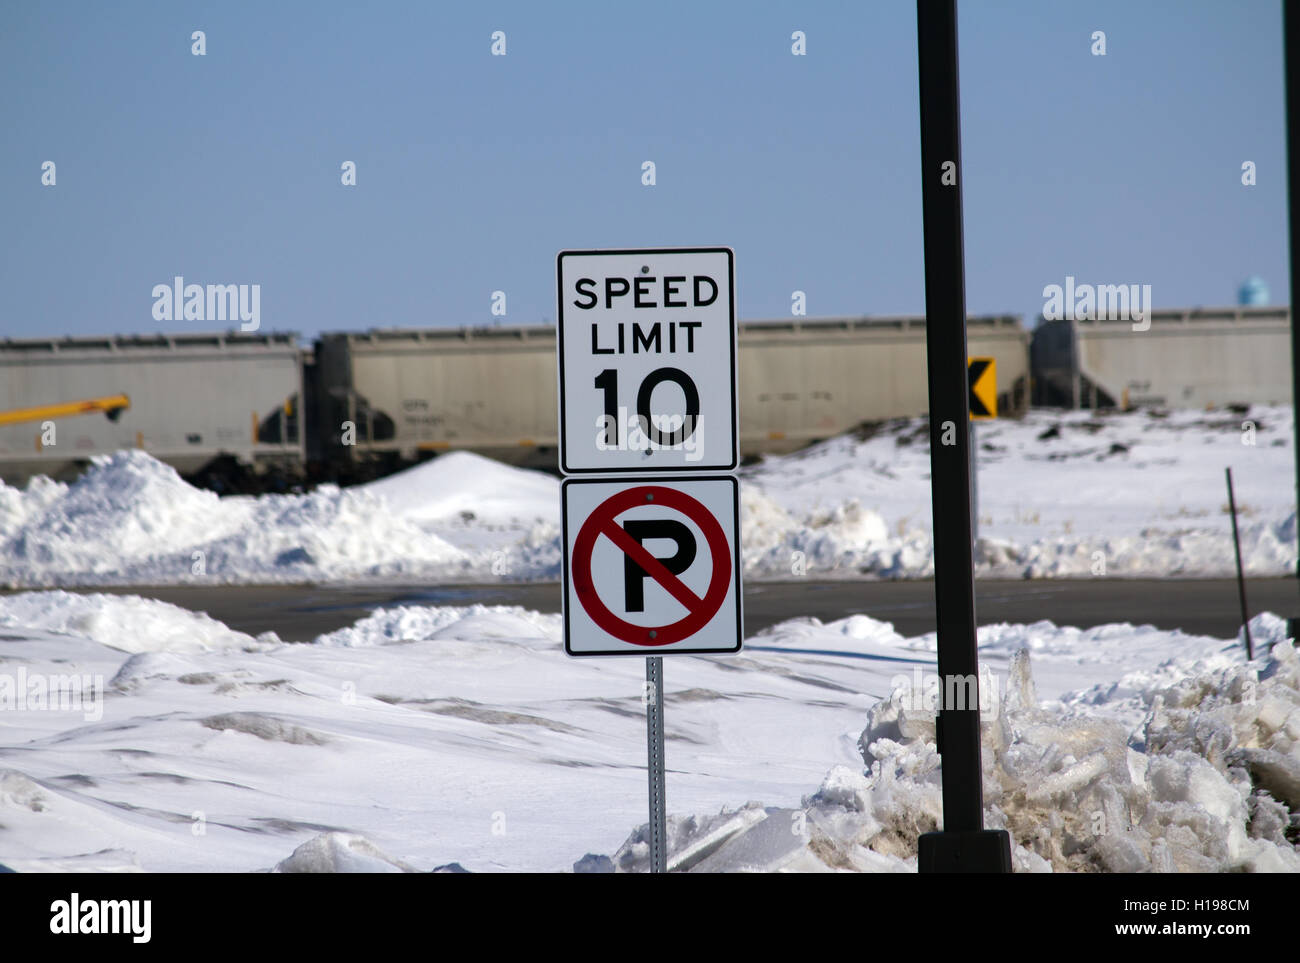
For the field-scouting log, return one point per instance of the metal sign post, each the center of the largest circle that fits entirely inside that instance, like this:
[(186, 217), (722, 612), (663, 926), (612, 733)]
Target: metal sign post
[(963, 845), (654, 732)]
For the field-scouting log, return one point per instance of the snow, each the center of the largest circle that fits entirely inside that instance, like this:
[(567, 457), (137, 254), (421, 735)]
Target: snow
[(128, 624), (132, 520), (459, 482), (1207, 781), (1062, 494), (340, 853), (422, 737), (143, 737)]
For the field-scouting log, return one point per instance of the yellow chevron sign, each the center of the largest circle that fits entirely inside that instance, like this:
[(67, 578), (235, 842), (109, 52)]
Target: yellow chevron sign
[(982, 376)]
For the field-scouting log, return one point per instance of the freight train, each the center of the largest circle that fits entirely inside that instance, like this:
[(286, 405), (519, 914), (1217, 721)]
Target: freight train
[(214, 406), (240, 412)]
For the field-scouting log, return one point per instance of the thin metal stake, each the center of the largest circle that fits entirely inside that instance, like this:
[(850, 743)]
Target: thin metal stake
[(1241, 581), (654, 730)]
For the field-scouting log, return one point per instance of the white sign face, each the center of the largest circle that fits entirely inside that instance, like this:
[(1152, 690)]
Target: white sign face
[(652, 566), (647, 354)]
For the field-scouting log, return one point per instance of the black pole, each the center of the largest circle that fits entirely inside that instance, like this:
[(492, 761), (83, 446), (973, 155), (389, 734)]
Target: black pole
[(1241, 580), (1291, 54), (963, 845)]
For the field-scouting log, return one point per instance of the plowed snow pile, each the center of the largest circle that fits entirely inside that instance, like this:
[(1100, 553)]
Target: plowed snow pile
[(1194, 767), (131, 520), (1062, 494)]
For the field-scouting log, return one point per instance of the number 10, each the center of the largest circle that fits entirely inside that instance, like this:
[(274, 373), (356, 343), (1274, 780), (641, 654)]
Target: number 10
[(607, 381)]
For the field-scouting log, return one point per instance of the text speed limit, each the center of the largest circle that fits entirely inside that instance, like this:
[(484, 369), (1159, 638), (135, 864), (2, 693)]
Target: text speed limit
[(647, 353)]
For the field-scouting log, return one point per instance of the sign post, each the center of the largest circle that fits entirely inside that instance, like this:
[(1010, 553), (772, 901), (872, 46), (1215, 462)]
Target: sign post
[(654, 732), (648, 419), (963, 845), (1291, 69)]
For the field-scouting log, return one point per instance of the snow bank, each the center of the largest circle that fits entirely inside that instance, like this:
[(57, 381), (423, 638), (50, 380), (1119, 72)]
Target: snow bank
[(425, 737), (126, 623), (461, 483), (1062, 494), (1208, 780), (341, 853), (133, 520), (1144, 497), (407, 623), (845, 537)]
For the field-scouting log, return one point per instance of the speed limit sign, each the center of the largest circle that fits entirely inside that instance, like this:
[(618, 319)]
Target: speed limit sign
[(647, 355)]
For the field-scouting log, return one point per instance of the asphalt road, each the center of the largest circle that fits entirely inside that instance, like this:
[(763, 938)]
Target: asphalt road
[(1208, 607)]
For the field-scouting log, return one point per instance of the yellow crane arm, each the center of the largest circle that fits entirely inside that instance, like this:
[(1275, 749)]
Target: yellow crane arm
[(112, 405)]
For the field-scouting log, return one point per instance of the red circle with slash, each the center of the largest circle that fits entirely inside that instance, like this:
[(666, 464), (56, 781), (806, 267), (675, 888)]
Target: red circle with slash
[(700, 610)]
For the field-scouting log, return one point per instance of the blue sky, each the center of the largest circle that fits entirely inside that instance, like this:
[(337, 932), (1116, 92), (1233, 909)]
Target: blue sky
[(474, 170)]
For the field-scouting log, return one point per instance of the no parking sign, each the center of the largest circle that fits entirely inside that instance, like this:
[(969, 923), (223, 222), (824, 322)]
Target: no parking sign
[(652, 566)]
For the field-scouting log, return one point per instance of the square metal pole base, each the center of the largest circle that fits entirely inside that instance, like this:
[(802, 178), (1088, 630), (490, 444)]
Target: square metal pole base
[(985, 851)]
